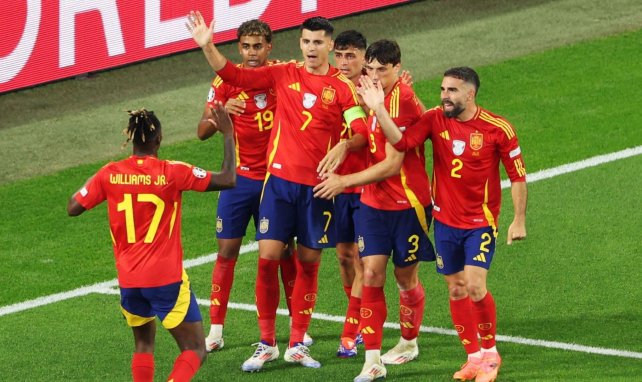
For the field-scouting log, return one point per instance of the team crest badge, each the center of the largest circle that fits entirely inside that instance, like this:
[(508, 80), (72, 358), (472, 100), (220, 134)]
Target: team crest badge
[(260, 100), (476, 141), (264, 225), (458, 147), (327, 96), (440, 262), (361, 244), (309, 100), (219, 225)]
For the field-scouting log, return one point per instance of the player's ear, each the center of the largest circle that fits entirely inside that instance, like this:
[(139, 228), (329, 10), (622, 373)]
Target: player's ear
[(331, 44)]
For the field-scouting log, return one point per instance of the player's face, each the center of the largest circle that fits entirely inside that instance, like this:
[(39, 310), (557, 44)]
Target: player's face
[(316, 47), (254, 50), (350, 62), (386, 74), (455, 96)]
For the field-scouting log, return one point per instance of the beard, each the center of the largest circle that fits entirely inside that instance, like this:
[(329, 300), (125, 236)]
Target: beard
[(456, 110)]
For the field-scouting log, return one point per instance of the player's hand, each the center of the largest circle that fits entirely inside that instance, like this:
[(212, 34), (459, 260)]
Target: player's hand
[(371, 94), (331, 186), (235, 106), (220, 119), (406, 77), (516, 231), (332, 159), (196, 26)]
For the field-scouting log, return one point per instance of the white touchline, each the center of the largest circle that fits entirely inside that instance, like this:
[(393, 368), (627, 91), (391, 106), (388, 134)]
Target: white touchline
[(108, 286)]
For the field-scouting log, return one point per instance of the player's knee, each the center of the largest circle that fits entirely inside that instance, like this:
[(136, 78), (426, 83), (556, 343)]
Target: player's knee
[(345, 260), (457, 289), (476, 291), (373, 277)]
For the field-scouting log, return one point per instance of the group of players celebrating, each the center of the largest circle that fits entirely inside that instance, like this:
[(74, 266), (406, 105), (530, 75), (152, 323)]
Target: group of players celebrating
[(334, 157)]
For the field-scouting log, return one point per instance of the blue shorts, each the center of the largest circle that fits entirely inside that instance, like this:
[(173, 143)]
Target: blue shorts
[(289, 209), (172, 303), (346, 209), (403, 233), (236, 206), (459, 247)]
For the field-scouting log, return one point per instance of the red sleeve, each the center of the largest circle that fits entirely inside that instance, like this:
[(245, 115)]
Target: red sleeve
[(415, 134), (219, 91), (188, 177), (92, 193), (258, 78), (511, 155)]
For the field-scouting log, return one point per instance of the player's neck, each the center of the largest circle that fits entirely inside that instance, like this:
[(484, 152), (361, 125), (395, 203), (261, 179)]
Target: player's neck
[(144, 153), (319, 70), (468, 114)]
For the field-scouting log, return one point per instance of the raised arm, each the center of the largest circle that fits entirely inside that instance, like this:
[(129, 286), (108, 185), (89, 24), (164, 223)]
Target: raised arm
[(338, 153), (226, 178), (202, 35)]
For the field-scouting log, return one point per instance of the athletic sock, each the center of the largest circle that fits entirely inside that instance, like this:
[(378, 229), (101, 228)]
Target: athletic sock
[(185, 366), (288, 277), (347, 289), (267, 298), (304, 298), (411, 311), (143, 367), (461, 312), (351, 323), (486, 318), (373, 315), (222, 279)]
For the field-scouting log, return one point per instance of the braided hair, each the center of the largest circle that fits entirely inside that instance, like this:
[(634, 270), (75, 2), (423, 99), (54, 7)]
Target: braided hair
[(143, 127)]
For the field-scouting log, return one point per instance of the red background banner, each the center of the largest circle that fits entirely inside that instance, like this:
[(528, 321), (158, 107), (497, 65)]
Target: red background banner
[(46, 40)]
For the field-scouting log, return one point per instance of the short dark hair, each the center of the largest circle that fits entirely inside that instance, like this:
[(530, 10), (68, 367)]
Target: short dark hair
[(465, 74), (318, 23), (385, 51), (350, 38), (143, 127), (254, 27)]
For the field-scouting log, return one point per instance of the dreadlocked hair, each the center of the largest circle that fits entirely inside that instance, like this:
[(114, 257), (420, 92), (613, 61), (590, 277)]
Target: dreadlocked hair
[(143, 127)]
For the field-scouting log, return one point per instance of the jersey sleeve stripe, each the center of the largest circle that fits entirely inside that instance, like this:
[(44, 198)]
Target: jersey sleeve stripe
[(505, 126)]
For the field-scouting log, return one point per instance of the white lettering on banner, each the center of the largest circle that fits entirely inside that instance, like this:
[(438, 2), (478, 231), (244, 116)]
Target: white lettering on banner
[(13, 63), (253, 9), (308, 6), (67, 37), (159, 32)]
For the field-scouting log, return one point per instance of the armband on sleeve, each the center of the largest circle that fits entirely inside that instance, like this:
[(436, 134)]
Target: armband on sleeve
[(353, 113)]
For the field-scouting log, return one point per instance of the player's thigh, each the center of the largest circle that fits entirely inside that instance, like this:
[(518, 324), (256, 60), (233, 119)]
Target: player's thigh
[(479, 246), (174, 303), (374, 232), (449, 243), (135, 307), (315, 220), (236, 206), (410, 235), (189, 335), (346, 207), (278, 210)]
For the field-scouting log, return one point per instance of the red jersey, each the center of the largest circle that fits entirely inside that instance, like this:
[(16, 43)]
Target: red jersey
[(144, 207), (252, 128), (411, 188), (466, 155), (355, 161), (309, 112)]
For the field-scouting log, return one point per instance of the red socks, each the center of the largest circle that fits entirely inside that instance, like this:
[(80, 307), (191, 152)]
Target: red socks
[(486, 318), (222, 279), (143, 367), (411, 311), (461, 312), (267, 298), (288, 276), (347, 289), (185, 366), (351, 323), (304, 298), (373, 315)]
